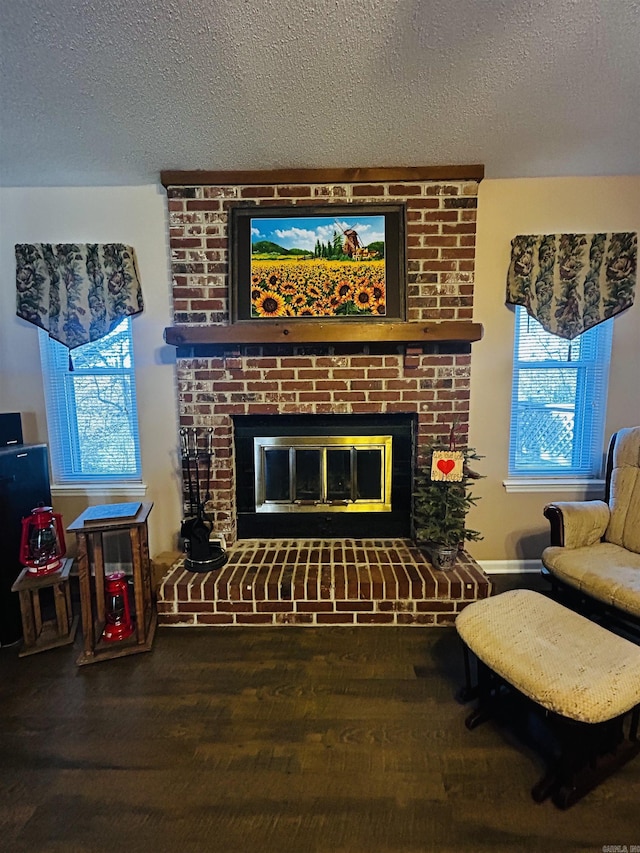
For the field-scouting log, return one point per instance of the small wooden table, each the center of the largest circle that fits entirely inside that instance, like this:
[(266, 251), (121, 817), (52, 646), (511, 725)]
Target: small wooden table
[(38, 636), (91, 573)]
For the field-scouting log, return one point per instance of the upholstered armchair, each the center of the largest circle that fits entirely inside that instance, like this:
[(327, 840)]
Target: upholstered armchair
[(595, 545)]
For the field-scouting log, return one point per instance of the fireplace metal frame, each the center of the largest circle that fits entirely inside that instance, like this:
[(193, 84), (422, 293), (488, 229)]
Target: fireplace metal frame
[(322, 443)]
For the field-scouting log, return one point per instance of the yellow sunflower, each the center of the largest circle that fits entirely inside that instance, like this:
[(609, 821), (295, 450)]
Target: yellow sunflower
[(344, 290), (270, 305), (273, 279), (378, 292), (363, 298), (299, 300), (319, 308)]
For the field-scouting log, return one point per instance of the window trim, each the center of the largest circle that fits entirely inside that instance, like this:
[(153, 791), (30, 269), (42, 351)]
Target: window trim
[(82, 489), (552, 479), (63, 437), (592, 487)]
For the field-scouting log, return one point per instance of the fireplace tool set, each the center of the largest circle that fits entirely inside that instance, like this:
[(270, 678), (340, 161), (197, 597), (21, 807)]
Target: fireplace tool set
[(204, 552)]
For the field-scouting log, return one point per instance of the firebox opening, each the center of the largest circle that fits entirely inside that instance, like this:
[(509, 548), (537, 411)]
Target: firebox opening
[(328, 476)]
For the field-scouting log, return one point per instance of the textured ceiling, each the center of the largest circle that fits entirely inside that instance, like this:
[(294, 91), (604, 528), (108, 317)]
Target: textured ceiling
[(106, 92)]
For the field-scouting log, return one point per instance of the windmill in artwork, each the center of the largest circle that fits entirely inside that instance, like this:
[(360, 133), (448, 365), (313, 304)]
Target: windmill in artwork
[(351, 245)]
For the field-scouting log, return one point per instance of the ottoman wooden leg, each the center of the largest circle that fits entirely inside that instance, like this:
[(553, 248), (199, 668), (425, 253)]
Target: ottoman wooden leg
[(590, 753), (633, 731), (470, 690), (486, 697)]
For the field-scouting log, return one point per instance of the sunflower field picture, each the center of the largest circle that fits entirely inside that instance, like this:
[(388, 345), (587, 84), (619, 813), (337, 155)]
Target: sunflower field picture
[(320, 266)]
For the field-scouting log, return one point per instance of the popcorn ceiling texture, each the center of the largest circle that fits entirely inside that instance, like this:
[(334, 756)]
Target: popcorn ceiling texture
[(108, 92)]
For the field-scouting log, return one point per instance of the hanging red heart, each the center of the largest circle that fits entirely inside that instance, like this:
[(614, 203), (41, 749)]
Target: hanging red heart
[(446, 466)]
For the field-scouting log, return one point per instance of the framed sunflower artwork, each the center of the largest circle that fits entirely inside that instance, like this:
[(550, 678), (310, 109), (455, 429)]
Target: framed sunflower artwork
[(329, 262)]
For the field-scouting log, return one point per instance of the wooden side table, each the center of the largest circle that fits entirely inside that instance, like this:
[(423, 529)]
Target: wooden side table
[(91, 573), (38, 636)]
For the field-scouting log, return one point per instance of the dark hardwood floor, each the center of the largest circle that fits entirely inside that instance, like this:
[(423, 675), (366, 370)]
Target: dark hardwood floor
[(287, 739)]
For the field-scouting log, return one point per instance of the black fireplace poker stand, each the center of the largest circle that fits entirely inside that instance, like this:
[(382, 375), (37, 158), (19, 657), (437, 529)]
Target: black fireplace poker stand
[(204, 552)]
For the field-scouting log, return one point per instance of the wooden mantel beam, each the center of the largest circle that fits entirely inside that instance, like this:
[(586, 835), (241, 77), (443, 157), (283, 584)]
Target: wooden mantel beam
[(318, 332), (270, 177)]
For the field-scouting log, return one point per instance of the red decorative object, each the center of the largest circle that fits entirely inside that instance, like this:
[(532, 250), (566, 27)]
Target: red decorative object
[(42, 544), (447, 466), (119, 624)]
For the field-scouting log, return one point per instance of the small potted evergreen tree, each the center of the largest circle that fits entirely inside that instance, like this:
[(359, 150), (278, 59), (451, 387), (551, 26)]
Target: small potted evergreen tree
[(441, 504)]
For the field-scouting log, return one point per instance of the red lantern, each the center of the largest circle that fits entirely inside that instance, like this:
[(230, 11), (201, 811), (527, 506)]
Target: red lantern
[(42, 544), (118, 613)]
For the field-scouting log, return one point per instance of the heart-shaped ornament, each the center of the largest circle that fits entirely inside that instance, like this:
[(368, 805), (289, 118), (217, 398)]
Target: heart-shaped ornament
[(446, 466)]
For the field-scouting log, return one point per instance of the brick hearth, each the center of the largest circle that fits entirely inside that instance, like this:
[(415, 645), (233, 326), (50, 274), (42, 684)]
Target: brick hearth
[(321, 582)]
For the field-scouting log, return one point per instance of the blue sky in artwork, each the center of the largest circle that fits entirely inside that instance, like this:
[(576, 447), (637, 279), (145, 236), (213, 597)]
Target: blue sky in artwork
[(302, 232)]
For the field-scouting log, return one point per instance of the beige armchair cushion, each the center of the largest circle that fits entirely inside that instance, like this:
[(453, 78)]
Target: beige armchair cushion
[(605, 571), (624, 525), (584, 522)]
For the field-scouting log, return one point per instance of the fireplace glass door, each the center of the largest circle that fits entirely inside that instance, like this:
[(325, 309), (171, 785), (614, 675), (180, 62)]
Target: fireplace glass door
[(322, 473)]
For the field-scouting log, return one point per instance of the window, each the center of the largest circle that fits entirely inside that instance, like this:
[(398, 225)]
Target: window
[(91, 410), (558, 402)]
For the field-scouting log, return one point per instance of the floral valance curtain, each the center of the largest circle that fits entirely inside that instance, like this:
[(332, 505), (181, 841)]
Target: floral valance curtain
[(570, 282), (77, 292)]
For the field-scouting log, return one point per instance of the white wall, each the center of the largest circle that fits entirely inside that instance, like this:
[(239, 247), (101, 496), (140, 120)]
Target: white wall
[(513, 525), (137, 217)]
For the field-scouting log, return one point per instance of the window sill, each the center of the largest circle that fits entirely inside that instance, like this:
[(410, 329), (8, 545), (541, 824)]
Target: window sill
[(81, 490), (555, 484)]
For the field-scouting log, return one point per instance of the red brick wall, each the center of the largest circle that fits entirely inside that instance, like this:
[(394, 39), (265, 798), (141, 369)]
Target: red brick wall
[(432, 380)]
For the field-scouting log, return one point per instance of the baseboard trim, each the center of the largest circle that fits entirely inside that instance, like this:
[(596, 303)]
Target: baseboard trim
[(510, 567)]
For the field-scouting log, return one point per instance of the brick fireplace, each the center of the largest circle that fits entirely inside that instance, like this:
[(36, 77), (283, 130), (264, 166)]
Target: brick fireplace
[(220, 381)]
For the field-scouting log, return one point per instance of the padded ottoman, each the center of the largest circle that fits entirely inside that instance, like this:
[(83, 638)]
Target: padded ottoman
[(586, 678)]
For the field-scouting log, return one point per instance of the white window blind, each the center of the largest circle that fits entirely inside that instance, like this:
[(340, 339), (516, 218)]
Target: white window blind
[(92, 410), (559, 400)]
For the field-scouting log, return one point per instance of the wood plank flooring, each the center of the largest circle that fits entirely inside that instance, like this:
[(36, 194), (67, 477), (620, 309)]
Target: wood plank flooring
[(296, 740)]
